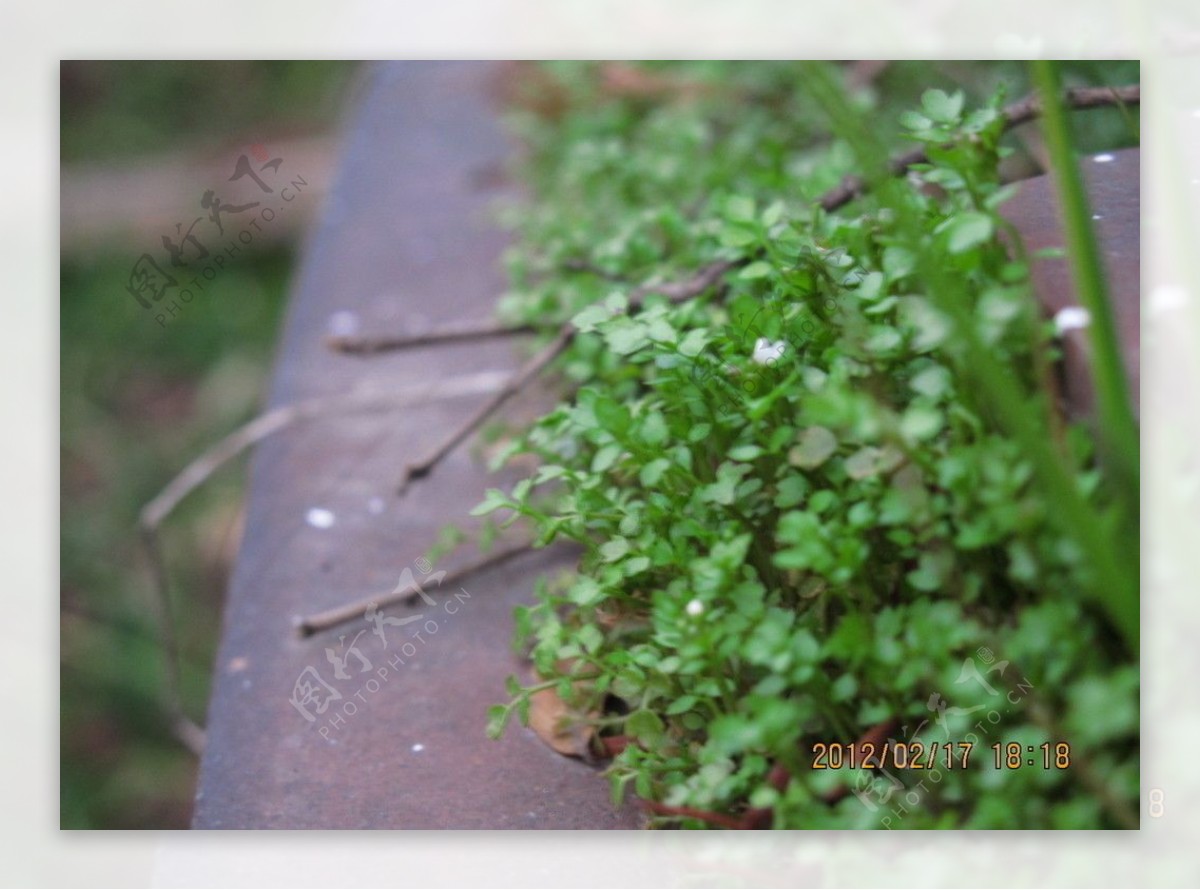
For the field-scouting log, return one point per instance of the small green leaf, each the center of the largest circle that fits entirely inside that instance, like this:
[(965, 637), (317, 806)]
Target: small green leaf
[(933, 382), (589, 637), (635, 566), (625, 336), (745, 452), (921, 422), (494, 499), (915, 120), (931, 572), (654, 429), (757, 269), (693, 342), (587, 319), (613, 416), (585, 591), (682, 705), (773, 214), (883, 340), (614, 549), (844, 688), (605, 458), (791, 491), (646, 726), (968, 230), (661, 331), (930, 324), (941, 107), (739, 208), (497, 720), (653, 471), (871, 461), (816, 445)]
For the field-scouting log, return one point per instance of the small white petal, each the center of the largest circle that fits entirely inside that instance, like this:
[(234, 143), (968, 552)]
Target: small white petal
[(418, 748), (1097, 216), (319, 518), (695, 607), (766, 351), (1103, 159), (1072, 318)]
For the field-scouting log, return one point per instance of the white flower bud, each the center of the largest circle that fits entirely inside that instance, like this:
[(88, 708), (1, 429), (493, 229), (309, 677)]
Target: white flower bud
[(765, 351), (1072, 318)]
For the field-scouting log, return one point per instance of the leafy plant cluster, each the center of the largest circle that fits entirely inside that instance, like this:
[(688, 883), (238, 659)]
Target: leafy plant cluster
[(788, 550)]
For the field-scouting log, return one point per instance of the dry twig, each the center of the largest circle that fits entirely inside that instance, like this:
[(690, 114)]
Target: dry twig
[(306, 627), (203, 467), (675, 292), (848, 190), (1018, 113)]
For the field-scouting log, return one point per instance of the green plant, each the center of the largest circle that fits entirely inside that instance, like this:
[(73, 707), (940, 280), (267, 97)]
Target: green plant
[(816, 497)]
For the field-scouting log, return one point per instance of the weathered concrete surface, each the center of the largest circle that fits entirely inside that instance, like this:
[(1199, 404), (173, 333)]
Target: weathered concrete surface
[(1114, 191), (404, 240)]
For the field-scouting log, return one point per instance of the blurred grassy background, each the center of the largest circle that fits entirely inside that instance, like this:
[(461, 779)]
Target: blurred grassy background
[(139, 401)]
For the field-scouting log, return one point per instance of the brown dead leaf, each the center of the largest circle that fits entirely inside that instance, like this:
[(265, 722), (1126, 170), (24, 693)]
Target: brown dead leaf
[(622, 80), (558, 726)]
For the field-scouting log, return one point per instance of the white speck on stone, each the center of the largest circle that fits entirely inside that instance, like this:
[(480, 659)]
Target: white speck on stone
[(1097, 216), (1103, 159), (1072, 318), (343, 324), (418, 748), (318, 517), (765, 351), (695, 607), (375, 506)]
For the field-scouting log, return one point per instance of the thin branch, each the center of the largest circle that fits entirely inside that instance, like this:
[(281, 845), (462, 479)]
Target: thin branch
[(1123, 814), (187, 731), (678, 291), (674, 291), (306, 627), (471, 331), (849, 189), (196, 473), (576, 265), (527, 372), (733, 823), (1018, 113), (450, 334), (706, 277)]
